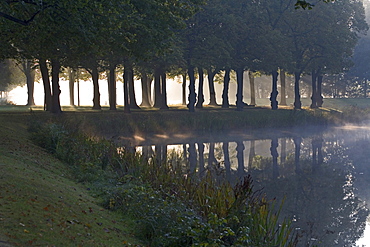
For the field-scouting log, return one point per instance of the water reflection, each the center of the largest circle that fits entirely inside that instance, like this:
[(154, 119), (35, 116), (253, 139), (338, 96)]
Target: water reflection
[(323, 177)]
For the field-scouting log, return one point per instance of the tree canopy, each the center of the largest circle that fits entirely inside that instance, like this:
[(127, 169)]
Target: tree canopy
[(172, 35)]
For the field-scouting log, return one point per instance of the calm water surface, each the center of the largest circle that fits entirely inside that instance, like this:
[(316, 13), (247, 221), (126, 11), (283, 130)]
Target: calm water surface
[(324, 176)]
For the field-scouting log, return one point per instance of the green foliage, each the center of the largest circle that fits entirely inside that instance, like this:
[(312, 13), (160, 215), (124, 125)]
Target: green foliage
[(162, 220), (87, 156)]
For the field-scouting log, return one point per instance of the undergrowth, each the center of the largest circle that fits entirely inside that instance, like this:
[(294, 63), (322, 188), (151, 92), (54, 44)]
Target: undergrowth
[(171, 207)]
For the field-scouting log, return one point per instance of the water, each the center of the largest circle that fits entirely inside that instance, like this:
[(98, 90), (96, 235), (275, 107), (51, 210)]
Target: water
[(323, 176)]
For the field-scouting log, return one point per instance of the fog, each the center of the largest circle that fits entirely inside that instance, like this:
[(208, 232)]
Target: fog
[(174, 91)]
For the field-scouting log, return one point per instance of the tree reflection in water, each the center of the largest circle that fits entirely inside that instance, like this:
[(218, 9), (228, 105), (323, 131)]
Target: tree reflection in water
[(240, 156), (319, 196), (316, 176), (275, 155)]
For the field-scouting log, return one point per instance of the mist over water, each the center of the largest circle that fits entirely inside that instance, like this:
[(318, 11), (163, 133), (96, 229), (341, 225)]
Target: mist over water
[(323, 177)]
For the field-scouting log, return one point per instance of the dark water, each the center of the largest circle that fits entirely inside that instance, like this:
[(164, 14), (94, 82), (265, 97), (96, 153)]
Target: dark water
[(323, 176)]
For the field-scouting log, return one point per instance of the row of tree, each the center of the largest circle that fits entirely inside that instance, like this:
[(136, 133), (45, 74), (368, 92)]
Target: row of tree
[(156, 38)]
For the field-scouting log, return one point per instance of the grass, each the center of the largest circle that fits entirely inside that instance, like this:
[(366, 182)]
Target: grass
[(41, 205)]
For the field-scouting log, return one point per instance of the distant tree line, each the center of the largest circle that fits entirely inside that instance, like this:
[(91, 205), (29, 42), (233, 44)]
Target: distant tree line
[(154, 39)]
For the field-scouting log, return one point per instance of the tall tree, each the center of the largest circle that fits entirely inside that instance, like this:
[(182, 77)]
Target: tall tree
[(71, 79), (225, 92), (27, 67), (200, 90)]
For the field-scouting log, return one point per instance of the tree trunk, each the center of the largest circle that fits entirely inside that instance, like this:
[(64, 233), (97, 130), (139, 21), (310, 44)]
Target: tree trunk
[(239, 94), (95, 79), (112, 88), (319, 100), (225, 92), (131, 87), (145, 90), (184, 89), (78, 87), (314, 89), (297, 95), (55, 68), (72, 79), (211, 85), (274, 93), (200, 89), (46, 81), (126, 79), (253, 91), (30, 81), (192, 95), (150, 80), (164, 105), (157, 89), (283, 88)]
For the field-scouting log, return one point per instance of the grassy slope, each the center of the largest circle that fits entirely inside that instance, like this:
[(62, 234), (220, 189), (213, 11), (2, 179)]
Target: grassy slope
[(40, 205)]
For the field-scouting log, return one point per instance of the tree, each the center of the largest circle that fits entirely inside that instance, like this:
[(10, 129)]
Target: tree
[(68, 29), (225, 92), (27, 68), (51, 34), (206, 46), (347, 20), (200, 90)]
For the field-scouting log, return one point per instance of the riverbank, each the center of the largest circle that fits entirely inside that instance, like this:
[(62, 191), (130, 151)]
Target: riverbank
[(179, 120), (42, 203)]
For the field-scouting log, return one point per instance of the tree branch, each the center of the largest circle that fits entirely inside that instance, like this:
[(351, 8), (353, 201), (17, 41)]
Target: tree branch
[(19, 21)]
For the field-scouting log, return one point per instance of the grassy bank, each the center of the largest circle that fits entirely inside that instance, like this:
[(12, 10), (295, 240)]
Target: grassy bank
[(41, 204)]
